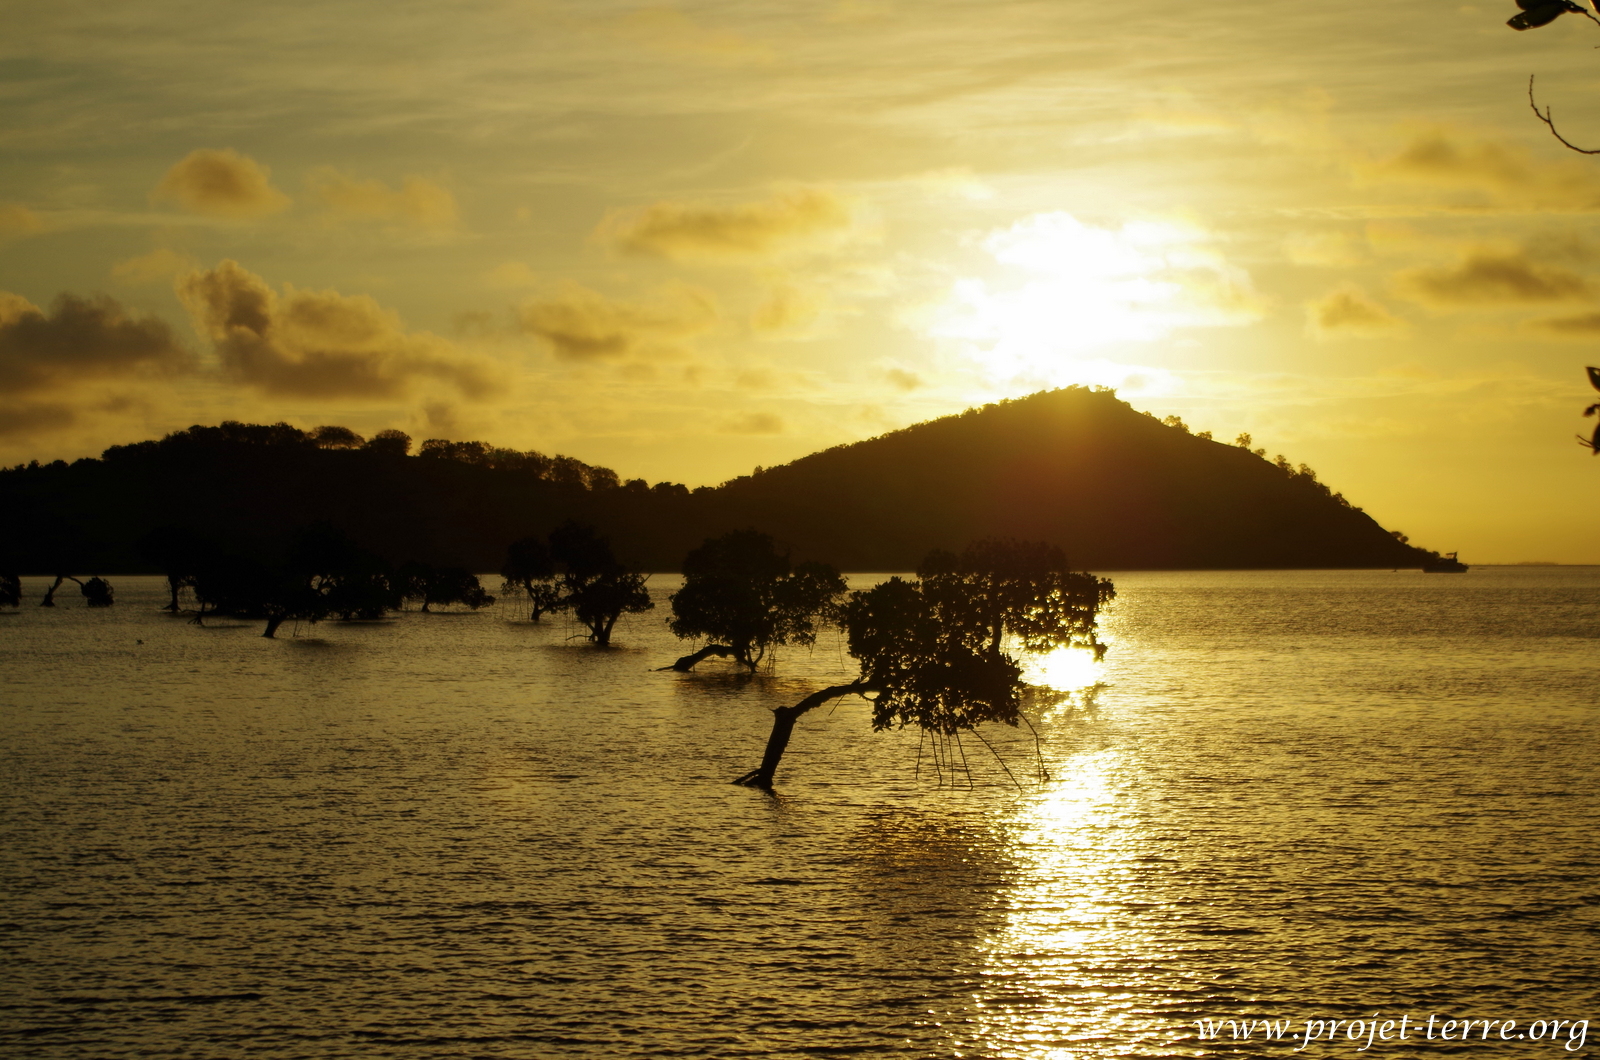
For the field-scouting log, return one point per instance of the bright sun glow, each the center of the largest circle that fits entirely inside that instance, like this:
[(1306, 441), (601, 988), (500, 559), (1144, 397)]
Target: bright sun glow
[(1071, 288), (1063, 670)]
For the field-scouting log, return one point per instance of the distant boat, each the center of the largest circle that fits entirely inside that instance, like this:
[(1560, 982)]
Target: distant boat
[(1445, 564)]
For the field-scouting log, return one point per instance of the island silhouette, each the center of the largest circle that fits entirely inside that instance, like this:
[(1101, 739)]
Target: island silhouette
[(1076, 468)]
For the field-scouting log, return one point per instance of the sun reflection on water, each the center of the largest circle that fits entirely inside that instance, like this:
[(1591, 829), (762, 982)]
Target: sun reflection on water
[(1074, 973), (1063, 670)]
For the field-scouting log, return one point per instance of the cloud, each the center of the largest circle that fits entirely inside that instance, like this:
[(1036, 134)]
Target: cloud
[(322, 344), (222, 184), (670, 31), (512, 274), (1491, 278), (1349, 311), (902, 379), (418, 201), (54, 365), (754, 423), (158, 266), (78, 340), (581, 324), (800, 221), (21, 419), (1328, 249), (787, 310), (1584, 327), (17, 220), (1509, 176)]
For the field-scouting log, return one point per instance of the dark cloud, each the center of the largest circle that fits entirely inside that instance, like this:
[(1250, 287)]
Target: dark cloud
[(802, 220), (56, 365), (1583, 327), (788, 309), (755, 423), (1511, 178), (1491, 279), (581, 324), (904, 380), (1349, 311), (78, 340), (21, 419), (322, 344)]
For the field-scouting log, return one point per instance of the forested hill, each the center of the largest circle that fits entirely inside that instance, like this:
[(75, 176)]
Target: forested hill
[(1114, 487)]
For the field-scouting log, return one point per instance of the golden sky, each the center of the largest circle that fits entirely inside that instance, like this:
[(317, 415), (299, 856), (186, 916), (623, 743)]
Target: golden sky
[(685, 240)]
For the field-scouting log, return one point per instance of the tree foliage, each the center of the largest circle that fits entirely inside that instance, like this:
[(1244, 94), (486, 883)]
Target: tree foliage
[(530, 569), (442, 586), (1592, 443), (315, 573), (746, 597), (937, 652), (97, 592), (597, 588)]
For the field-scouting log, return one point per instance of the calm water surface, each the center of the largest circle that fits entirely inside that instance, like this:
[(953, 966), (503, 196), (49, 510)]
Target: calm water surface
[(1306, 795)]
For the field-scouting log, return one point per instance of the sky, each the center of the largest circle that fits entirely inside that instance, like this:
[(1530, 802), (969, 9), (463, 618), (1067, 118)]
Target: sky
[(685, 240)]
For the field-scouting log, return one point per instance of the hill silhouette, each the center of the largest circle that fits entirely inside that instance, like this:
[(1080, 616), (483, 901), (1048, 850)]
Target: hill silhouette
[(1115, 488), (1078, 468)]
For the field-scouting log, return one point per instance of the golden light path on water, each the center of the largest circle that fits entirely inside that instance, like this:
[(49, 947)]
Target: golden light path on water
[(1069, 975)]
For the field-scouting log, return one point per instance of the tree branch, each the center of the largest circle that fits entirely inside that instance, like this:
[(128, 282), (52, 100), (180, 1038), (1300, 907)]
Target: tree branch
[(1544, 116)]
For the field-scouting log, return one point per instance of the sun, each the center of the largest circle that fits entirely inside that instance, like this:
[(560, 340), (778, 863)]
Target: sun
[(1062, 290)]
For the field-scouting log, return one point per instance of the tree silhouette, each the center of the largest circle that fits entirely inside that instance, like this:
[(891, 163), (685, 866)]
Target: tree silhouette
[(746, 597), (1592, 443), (276, 590), (389, 443), (177, 552), (442, 586), (598, 589), (530, 569), (934, 652), (50, 593), (10, 590), (97, 591), (307, 577)]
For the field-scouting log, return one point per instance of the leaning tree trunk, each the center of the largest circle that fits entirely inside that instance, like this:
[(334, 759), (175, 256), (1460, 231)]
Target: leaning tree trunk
[(173, 583), (273, 623), (50, 593), (783, 719), (688, 662)]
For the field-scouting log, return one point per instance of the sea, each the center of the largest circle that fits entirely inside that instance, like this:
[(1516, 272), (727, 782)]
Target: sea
[(1318, 813)]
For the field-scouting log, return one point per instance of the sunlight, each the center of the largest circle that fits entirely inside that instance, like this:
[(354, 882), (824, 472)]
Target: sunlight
[(1063, 670), (1069, 963), (1072, 288)]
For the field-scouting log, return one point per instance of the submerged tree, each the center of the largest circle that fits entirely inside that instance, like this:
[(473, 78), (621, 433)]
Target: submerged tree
[(935, 652), (531, 570), (315, 573), (49, 599), (746, 597), (598, 589), (443, 586), (252, 586), (97, 591), (178, 553), (1592, 443)]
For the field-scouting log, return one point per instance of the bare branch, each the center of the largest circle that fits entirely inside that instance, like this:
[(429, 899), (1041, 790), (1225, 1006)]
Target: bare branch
[(1544, 116)]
